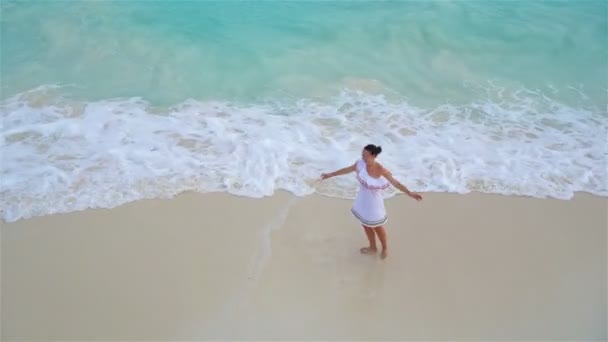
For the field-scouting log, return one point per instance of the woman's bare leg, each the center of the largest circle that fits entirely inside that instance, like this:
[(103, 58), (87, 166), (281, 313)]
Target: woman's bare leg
[(382, 236), (371, 236)]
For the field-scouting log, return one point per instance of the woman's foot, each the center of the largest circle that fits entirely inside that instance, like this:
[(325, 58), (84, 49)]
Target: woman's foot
[(384, 254), (368, 250)]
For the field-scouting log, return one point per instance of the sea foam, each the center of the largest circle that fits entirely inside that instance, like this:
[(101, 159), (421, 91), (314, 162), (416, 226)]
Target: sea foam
[(62, 155)]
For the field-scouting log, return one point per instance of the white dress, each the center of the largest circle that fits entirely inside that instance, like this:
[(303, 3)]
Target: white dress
[(369, 204)]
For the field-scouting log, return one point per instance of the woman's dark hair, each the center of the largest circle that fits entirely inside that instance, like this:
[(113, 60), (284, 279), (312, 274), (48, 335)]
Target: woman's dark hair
[(373, 149)]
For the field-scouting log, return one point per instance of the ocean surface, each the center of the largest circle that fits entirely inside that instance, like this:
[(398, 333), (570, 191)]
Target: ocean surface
[(106, 102)]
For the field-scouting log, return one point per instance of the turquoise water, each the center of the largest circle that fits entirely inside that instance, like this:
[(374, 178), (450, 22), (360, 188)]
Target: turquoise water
[(167, 52), (150, 98)]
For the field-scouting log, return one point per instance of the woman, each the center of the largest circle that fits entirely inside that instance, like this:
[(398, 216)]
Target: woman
[(369, 204)]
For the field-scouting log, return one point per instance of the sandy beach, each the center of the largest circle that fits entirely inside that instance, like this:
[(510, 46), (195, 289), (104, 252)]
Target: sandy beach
[(216, 266)]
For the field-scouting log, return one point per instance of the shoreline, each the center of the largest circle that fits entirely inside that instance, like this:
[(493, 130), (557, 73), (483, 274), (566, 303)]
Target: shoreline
[(472, 266), (282, 192)]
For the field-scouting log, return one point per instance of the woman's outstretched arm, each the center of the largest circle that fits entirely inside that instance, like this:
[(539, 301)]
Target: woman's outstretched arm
[(340, 172), (389, 176)]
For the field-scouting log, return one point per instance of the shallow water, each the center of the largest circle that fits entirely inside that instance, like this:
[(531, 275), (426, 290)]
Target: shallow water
[(108, 102)]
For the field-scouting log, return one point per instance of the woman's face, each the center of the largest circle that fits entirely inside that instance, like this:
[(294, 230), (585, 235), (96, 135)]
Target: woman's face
[(367, 156)]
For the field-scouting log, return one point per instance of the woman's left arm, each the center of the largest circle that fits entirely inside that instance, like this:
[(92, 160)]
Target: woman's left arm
[(389, 176)]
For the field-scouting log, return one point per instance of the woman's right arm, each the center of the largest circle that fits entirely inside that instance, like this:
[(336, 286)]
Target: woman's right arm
[(340, 172)]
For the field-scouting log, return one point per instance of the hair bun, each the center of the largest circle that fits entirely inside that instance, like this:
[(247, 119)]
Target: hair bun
[(373, 149)]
